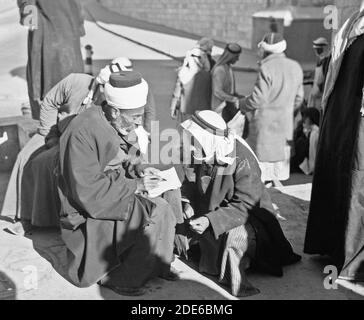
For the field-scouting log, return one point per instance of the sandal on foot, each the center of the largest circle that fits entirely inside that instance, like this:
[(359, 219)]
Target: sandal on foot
[(171, 275), (124, 291)]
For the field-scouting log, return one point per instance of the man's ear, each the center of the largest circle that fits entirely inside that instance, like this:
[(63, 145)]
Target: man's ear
[(114, 113)]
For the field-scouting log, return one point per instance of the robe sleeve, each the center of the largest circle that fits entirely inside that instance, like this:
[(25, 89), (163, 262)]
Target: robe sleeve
[(218, 79), (247, 193), (300, 95), (103, 196), (51, 103), (259, 95), (313, 149), (315, 91), (149, 113)]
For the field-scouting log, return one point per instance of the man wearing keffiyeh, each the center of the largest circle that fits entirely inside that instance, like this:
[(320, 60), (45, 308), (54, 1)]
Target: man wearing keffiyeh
[(228, 210)]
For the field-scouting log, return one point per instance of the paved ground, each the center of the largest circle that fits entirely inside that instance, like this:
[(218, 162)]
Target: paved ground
[(43, 254)]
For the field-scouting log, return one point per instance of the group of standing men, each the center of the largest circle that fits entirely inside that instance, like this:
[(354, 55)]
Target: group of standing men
[(264, 118), (335, 223)]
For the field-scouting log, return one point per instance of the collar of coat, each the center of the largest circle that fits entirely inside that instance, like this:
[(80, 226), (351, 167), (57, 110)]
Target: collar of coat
[(272, 57), (351, 29)]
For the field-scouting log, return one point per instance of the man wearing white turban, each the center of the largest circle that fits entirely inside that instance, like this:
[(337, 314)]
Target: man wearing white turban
[(226, 203), (32, 194), (269, 109), (114, 234)]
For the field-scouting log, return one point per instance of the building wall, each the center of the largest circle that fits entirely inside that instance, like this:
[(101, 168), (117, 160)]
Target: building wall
[(225, 20), (346, 8)]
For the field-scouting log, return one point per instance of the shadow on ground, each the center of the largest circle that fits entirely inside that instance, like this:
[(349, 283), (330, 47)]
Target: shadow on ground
[(7, 288)]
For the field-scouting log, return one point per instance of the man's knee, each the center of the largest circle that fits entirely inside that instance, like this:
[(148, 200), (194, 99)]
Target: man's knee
[(45, 161), (163, 212)]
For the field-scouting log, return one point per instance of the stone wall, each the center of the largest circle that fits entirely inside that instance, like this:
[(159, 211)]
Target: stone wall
[(225, 20)]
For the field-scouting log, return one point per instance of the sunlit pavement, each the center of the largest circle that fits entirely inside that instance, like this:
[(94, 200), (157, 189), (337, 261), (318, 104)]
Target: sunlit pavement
[(43, 252)]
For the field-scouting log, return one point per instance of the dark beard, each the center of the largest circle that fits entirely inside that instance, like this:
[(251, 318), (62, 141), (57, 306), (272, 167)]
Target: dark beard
[(121, 125)]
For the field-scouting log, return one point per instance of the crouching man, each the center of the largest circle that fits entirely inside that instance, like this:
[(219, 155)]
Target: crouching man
[(228, 210), (115, 235)]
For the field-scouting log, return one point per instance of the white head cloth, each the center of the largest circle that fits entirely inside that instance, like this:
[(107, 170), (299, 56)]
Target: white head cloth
[(278, 47), (195, 61), (118, 64), (127, 98), (213, 145)]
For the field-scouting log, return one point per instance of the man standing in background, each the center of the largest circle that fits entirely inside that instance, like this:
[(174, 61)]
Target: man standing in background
[(53, 45), (225, 100), (322, 51), (277, 93)]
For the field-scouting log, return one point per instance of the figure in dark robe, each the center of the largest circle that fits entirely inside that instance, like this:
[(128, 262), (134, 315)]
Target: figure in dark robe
[(228, 210), (54, 49), (115, 234), (32, 194), (335, 223)]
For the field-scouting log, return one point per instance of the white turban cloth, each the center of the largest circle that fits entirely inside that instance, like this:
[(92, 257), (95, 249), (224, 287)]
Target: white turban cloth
[(219, 146), (213, 145), (117, 65), (133, 97)]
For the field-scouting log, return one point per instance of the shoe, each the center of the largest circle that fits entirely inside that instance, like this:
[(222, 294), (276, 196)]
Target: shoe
[(171, 275), (292, 259), (248, 292), (124, 291)]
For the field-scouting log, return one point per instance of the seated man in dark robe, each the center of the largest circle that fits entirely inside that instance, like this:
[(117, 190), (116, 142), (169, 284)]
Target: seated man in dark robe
[(115, 234), (32, 191), (228, 210)]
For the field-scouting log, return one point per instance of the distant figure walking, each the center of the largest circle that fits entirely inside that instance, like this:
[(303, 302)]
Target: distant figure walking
[(323, 53), (193, 86), (53, 45)]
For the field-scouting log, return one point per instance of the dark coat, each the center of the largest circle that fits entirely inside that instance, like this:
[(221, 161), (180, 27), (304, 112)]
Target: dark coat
[(194, 95), (335, 224), (236, 196), (54, 46), (101, 216)]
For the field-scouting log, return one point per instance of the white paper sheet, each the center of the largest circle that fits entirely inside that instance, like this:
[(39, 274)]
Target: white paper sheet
[(171, 182)]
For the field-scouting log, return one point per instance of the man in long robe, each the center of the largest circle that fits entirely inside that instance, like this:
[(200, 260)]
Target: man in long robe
[(224, 99), (115, 235), (228, 208), (335, 223), (193, 86), (41, 205), (277, 93), (54, 49), (323, 54), (32, 194)]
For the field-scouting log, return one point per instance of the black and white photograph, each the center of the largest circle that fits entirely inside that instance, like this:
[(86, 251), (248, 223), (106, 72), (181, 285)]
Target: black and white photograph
[(182, 156)]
